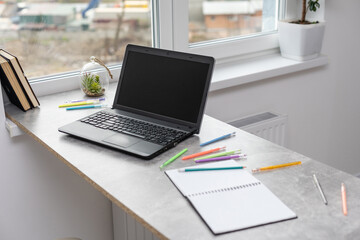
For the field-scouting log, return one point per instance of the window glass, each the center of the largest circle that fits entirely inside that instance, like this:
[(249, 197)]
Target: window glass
[(216, 19), (58, 36)]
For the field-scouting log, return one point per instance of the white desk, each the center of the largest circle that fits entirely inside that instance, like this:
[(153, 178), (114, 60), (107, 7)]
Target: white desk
[(144, 192)]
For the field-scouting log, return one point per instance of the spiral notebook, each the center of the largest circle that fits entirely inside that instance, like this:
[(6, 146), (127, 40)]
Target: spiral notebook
[(229, 200)]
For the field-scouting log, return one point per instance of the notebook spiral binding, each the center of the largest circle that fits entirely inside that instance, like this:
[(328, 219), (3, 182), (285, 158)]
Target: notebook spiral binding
[(225, 189)]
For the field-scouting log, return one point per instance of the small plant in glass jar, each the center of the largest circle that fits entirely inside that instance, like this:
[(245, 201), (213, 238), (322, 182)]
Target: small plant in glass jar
[(95, 78)]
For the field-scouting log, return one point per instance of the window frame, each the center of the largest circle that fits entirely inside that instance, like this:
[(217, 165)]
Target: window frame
[(221, 49)]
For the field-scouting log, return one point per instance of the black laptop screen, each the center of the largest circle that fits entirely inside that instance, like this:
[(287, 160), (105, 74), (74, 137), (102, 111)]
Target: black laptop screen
[(166, 86)]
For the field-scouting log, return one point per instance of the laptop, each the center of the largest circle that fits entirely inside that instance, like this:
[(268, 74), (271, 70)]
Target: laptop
[(159, 102)]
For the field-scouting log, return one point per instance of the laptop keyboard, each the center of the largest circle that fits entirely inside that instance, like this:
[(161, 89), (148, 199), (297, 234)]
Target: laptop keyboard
[(147, 131)]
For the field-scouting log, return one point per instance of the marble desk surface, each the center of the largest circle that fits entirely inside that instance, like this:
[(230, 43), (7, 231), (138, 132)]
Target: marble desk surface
[(142, 190)]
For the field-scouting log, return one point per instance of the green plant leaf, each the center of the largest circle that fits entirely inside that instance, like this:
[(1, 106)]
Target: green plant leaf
[(313, 5), (91, 83)]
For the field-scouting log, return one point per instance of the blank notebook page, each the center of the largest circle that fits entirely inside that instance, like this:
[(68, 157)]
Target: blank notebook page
[(229, 200)]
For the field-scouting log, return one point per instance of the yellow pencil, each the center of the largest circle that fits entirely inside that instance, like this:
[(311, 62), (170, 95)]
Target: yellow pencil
[(275, 166), (78, 103)]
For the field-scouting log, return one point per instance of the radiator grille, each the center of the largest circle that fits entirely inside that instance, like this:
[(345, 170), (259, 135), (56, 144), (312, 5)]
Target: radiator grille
[(268, 125), (127, 228)]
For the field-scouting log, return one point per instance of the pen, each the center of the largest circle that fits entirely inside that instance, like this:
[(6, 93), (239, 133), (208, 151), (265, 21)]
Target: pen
[(203, 153), (218, 139), (173, 158), (84, 100), (86, 106), (218, 158), (78, 104), (220, 154), (209, 169), (317, 184), (275, 166), (343, 197)]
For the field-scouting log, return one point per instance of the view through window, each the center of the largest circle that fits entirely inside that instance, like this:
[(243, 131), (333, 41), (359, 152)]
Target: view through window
[(56, 36), (217, 19)]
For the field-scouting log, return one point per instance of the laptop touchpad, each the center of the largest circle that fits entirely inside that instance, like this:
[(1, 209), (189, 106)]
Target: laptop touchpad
[(121, 140)]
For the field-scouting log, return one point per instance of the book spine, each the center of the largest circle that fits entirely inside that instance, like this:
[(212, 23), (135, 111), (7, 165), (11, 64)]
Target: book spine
[(35, 101), (19, 72), (9, 90), (20, 83)]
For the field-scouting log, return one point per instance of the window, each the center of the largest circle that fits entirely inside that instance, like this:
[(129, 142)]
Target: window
[(59, 36), (52, 37), (234, 18), (226, 28)]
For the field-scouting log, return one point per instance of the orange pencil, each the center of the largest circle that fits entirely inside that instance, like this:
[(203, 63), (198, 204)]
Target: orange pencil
[(343, 197), (203, 153)]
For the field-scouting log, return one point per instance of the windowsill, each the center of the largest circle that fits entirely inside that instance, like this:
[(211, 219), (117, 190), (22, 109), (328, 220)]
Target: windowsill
[(259, 68), (225, 75)]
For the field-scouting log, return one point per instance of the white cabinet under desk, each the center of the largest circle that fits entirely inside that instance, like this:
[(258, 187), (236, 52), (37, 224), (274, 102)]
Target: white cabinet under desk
[(143, 191)]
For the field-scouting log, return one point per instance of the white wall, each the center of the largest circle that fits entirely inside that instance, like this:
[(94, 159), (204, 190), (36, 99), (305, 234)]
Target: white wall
[(322, 104), (42, 199)]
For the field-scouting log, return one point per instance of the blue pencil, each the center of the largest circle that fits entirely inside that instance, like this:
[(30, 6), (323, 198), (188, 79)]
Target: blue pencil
[(218, 139)]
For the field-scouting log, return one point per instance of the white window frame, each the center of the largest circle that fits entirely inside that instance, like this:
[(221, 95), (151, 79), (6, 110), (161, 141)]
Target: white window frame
[(177, 23)]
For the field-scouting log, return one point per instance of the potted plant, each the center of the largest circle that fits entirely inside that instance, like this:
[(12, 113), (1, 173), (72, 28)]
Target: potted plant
[(94, 78), (91, 85), (301, 39)]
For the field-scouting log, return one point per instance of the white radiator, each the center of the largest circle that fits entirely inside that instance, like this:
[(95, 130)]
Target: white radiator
[(268, 125), (127, 228)]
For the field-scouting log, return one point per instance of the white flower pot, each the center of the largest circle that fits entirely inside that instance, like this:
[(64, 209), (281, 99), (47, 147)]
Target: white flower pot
[(300, 42)]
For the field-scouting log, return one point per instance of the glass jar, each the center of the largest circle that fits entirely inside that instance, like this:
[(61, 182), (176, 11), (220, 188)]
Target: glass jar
[(95, 78)]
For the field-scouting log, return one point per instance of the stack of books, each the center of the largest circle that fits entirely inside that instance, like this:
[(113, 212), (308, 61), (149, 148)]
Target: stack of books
[(15, 83)]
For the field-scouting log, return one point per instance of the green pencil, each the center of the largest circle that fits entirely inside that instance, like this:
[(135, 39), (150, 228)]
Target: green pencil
[(173, 158), (219, 154)]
